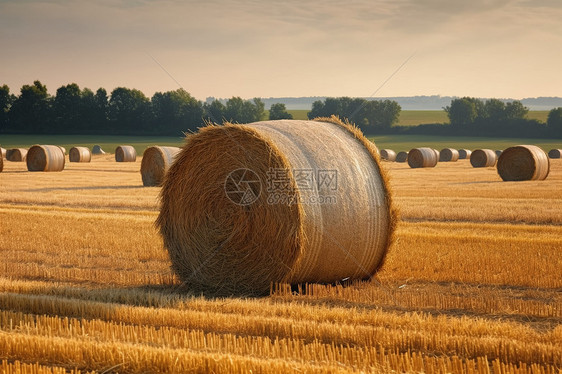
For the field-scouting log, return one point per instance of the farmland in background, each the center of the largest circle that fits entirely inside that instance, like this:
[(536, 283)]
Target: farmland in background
[(472, 283)]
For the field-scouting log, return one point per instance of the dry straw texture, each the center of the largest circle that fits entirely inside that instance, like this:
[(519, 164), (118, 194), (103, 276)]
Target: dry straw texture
[(220, 242), (388, 154), (423, 158), (402, 156), (448, 155), (79, 154), (155, 163), (16, 154), (464, 154), (482, 158), (45, 158), (555, 153), (523, 163), (125, 153), (96, 150)]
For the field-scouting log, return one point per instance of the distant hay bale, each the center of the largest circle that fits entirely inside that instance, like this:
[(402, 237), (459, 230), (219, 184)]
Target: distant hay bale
[(523, 163), (388, 154), (155, 163), (423, 158), (483, 158), (96, 150), (498, 152), (45, 158), (125, 153), (79, 154), (448, 155), (402, 156), (16, 154), (245, 206), (62, 149), (464, 154), (555, 153), (3, 150)]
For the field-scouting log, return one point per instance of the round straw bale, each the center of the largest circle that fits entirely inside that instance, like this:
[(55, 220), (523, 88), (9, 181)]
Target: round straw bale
[(79, 154), (125, 153), (448, 155), (155, 163), (62, 149), (523, 163), (555, 153), (423, 158), (16, 154), (3, 150), (96, 150), (402, 156), (45, 158), (482, 158), (464, 154), (245, 206), (388, 154)]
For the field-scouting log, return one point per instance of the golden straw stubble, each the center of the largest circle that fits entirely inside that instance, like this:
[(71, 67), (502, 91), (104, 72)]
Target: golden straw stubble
[(238, 212), (522, 163)]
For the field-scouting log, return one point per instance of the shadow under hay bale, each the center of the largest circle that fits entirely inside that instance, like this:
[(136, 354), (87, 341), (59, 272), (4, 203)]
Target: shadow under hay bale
[(464, 154), (155, 163), (245, 206), (402, 156), (16, 154), (555, 153), (96, 150), (423, 158), (523, 163), (388, 154), (79, 154), (125, 153), (45, 158), (448, 155), (483, 158)]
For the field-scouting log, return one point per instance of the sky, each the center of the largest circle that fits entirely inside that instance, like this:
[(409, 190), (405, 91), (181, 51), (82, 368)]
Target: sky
[(289, 48)]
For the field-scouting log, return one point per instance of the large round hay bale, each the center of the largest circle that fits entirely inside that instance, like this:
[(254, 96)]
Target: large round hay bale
[(555, 153), (464, 154), (96, 150), (62, 149), (155, 163), (16, 154), (423, 158), (245, 206), (388, 154), (3, 150), (482, 158), (79, 154), (125, 153), (402, 156), (45, 158), (523, 163), (448, 155)]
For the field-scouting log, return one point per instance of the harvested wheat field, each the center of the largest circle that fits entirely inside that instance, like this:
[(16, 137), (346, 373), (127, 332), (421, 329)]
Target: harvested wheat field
[(472, 283)]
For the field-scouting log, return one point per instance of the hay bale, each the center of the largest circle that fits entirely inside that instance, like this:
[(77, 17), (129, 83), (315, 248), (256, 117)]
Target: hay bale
[(483, 158), (244, 206), (155, 163), (79, 154), (448, 155), (96, 150), (555, 153), (62, 149), (125, 153), (402, 156), (16, 154), (464, 154), (45, 158), (388, 154), (423, 158), (523, 163), (3, 150)]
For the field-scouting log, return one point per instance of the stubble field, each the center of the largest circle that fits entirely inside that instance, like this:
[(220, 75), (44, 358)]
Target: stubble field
[(473, 283)]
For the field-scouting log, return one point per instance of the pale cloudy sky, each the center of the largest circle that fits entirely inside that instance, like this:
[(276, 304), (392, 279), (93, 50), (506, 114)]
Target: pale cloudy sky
[(249, 48)]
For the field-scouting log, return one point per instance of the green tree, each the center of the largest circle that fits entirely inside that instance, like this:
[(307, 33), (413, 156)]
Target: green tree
[(67, 115), (214, 111), (494, 110), (554, 121), (240, 111), (515, 110), (278, 111), (129, 111), (176, 112), (6, 100), (464, 111), (30, 111)]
